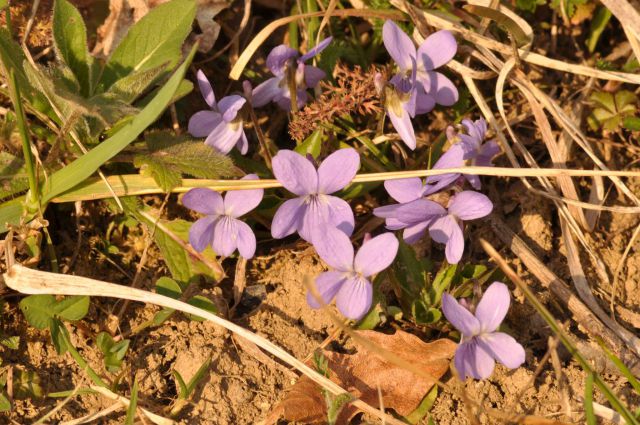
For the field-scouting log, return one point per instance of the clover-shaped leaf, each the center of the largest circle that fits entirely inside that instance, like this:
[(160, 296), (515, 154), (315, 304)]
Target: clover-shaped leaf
[(611, 109)]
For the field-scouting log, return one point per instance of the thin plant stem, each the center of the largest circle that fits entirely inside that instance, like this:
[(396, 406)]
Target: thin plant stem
[(14, 92), (264, 145)]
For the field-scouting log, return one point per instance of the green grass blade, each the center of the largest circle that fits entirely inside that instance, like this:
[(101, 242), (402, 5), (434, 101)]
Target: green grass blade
[(588, 401), (83, 167), (133, 405)]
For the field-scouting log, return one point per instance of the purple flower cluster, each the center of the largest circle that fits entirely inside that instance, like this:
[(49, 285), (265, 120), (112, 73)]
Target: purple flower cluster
[(481, 344), (417, 88), (416, 214), (223, 124), (281, 64), (327, 221)]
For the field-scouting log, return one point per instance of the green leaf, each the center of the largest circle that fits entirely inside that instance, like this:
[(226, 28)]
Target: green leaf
[(335, 406), (5, 404), (133, 405), (129, 88), (312, 144), (70, 42), (169, 156), (11, 342), (631, 123), (10, 213), (200, 374), (154, 40), (72, 308), (38, 310), (12, 57), (204, 303), (13, 176), (182, 386), (113, 352), (168, 287), (59, 337), (83, 167), (598, 24), (26, 384), (425, 406)]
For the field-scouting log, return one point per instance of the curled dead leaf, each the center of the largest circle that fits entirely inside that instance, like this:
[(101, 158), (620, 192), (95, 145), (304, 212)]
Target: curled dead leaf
[(364, 372)]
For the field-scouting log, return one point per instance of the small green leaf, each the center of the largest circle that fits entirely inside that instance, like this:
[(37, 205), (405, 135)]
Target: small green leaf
[(182, 386), (5, 404), (312, 145), (200, 374), (133, 404), (154, 40), (70, 42), (425, 406), (204, 303), (72, 308), (26, 384), (59, 336), (113, 352), (168, 287), (169, 156), (11, 342), (38, 310), (161, 316), (598, 24), (631, 123)]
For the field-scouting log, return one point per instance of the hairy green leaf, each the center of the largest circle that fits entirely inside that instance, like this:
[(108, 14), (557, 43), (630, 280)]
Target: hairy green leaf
[(169, 156), (70, 42), (154, 40), (83, 167)]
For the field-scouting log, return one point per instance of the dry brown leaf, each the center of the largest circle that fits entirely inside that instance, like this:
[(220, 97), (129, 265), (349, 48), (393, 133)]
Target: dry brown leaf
[(363, 372), (124, 13)]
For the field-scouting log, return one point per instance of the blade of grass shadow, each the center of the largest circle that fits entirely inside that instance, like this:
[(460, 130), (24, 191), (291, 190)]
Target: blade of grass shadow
[(85, 166)]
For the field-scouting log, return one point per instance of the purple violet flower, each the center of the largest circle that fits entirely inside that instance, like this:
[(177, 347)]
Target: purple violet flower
[(439, 48), (220, 227), (481, 345), (222, 126), (279, 61), (445, 226), (408, 190), (475, 152), (314, 209), (349, 282)]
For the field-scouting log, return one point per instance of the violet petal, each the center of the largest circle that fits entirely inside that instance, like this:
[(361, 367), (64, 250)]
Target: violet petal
[(354, 298), (201, 232), (504, 348), (337, 170), (202, 123), (288, 218), (204, 201), (206, 90), (493, 306), (459, 317), (404, 190), (376, 255), (438, 49), (246, 240), (295, 172), (327, 284), (239, 202), (398, 44), (470, 205)]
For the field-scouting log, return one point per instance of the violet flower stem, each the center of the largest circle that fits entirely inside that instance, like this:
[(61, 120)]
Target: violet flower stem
[(264, 144)]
